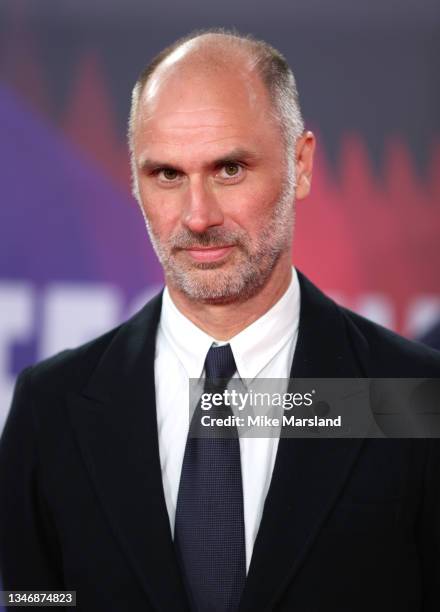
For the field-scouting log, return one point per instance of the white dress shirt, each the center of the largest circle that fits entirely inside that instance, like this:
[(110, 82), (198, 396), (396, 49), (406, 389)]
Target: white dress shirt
[(264, 349)]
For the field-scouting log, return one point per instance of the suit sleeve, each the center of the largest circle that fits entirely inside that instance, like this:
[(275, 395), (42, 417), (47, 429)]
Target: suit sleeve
[(429, 530), (29, 553)]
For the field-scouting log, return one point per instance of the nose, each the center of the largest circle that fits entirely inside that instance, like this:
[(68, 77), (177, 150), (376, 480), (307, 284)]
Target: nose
[(201, 210)]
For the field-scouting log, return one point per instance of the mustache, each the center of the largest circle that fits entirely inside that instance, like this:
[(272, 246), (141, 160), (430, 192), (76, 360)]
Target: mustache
[(213, 237)]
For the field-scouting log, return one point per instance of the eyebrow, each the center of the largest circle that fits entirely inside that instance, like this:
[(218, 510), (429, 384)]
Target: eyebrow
[(234, 155)]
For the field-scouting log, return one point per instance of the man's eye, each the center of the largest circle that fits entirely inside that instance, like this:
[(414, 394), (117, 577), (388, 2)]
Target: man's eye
[(231, 170), (168, 174)]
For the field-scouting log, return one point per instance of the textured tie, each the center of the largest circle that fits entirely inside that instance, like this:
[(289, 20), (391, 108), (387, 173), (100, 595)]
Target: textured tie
[(209, 528)]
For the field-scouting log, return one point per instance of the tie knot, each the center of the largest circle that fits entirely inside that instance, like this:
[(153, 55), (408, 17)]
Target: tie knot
[(220, 362)]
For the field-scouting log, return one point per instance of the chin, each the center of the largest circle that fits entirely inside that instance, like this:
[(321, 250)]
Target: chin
[(214, 286)]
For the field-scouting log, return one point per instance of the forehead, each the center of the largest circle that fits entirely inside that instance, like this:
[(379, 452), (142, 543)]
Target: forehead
[(204, 106)]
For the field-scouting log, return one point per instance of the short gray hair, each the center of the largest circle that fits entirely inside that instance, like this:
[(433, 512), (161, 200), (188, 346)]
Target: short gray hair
[(269, 63)]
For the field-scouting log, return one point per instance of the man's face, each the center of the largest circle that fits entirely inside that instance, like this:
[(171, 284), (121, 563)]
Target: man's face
[(212, 179)]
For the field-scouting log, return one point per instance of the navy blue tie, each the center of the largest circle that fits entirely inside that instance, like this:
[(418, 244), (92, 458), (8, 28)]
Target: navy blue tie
[(209, 528)]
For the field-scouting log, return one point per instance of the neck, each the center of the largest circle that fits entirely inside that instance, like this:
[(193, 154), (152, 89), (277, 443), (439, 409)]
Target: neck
[(224, 321)]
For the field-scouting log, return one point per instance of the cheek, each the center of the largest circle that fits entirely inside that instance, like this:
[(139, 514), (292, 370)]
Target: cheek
[(162, 211), (250, 206)]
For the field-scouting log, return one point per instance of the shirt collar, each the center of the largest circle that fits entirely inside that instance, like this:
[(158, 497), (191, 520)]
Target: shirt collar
[(253, 348), (189, 342)]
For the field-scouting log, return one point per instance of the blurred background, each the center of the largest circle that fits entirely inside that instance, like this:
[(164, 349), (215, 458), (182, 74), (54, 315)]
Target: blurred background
[(74, 255)]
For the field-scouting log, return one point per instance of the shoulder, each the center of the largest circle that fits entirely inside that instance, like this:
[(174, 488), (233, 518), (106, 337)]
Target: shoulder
[(392, 355), (70, 369), (379, 352)]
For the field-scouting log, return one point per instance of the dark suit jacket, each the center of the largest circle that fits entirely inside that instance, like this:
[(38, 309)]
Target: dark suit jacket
[(348, 525)]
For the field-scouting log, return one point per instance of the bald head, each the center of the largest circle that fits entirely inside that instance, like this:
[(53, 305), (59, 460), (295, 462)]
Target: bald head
[(216, 63), (207, 54), (204, 69)]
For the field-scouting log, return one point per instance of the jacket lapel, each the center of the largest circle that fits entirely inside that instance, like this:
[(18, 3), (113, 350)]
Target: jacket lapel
[(308, 473), (115, 422)]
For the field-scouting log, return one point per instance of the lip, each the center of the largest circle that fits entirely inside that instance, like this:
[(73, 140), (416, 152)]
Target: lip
[(208, 254)]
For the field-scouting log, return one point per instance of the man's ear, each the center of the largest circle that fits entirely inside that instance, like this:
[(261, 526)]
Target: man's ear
[(304, 151)]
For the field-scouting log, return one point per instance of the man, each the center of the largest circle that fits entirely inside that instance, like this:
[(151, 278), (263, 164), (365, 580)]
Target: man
[(103, 489)]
